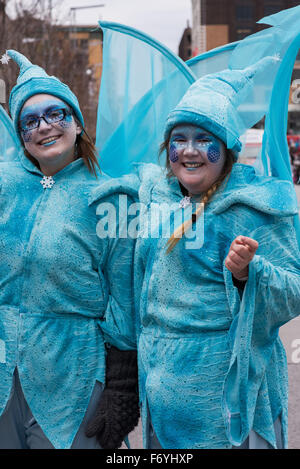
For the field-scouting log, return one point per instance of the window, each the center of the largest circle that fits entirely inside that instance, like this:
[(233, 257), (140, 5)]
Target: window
[(241, 33), (245, 11), (83, 43), (270, 8)]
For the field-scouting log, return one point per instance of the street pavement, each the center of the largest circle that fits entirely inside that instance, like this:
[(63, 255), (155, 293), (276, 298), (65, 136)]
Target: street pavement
[(290, 336)]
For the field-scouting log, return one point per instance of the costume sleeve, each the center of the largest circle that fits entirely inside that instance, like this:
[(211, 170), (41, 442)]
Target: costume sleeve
[(118, 324), (271, 298), (139, 275), (276, 270)]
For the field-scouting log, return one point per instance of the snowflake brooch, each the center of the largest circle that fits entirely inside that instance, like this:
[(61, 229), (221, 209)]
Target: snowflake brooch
[(185, 202), (5, 59), (47, 182)]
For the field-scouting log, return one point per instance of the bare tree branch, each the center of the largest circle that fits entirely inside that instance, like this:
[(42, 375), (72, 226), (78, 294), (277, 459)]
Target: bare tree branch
[(34, 31)]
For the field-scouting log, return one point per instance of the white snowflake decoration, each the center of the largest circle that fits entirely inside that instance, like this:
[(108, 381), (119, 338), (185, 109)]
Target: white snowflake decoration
[(5, 59), (47, 182)]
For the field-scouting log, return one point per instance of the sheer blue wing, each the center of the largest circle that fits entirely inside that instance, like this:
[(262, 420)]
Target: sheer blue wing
[(9, 143), (141, 82), (212, 61), (271, 95)]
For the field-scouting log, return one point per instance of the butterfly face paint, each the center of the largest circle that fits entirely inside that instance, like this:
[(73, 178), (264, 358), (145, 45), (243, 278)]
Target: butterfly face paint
[(196, 157), (200, 141), (173, 153), (213, 153)]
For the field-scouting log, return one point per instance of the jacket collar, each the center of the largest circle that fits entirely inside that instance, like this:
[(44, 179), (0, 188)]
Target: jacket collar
[(31, 168), (269, 195)]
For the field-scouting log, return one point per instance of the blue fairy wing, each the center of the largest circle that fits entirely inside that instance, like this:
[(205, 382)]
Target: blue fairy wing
[(270, 96), (269, 93), (141, 82), (9, 143), (212, 61)]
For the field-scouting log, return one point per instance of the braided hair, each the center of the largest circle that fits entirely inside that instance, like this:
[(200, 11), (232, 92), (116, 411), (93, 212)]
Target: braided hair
[(206, 197)]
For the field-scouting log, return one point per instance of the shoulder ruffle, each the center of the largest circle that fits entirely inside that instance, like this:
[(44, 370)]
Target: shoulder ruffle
[(128, 184), (266, 194), (137, 184)]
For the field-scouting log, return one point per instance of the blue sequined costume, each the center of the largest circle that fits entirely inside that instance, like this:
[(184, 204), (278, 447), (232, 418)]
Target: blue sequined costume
[(212, 366), (64, 292)]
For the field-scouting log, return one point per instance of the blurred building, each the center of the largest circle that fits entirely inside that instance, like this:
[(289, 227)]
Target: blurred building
[(88, 41), (85, 42), (219, 22), (185, 46)]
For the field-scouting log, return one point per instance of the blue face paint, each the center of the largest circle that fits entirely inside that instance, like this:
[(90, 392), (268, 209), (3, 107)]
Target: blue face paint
[(27, 136), (173, 156), (213, 153), (190, 136), (49, 144), (40, 109), (66, 123)]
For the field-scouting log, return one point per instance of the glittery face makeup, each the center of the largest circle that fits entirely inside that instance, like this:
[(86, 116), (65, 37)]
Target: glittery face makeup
[(173, 153), (49, 130), (67, 121), (48, 111), (198, 140), (213, 153), (196, 157), (27, 136)]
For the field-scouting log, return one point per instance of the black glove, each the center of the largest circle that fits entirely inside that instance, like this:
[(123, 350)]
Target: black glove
[(118, 409)]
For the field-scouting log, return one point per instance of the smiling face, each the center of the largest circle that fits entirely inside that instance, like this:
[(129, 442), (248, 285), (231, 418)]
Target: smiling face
[(52, 144), (196, 157)]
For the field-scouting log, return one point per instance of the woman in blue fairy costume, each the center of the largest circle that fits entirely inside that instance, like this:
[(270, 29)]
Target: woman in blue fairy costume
[(212, 296), (67, 336)]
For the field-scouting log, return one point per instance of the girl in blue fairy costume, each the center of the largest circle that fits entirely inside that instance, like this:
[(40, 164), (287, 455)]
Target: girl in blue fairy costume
[(67, 335), (217, 268), (212, 297)]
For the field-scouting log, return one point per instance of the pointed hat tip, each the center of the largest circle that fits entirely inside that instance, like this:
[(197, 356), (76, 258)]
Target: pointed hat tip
[(19, 58), (27, 69), (265, 62)]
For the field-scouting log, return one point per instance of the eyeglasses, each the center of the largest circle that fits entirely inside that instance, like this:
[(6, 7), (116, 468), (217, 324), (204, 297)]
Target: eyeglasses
[(50, 117)]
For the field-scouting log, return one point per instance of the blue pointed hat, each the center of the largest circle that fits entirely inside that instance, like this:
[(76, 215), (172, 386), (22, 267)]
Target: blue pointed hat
[(215, 103), (34, 80)]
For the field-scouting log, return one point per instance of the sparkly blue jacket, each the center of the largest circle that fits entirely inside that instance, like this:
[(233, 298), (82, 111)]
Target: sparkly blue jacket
[(64, 292), (212, 366)]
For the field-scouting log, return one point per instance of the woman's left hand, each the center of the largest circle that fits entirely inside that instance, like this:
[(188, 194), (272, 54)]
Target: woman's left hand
[(241, 253)]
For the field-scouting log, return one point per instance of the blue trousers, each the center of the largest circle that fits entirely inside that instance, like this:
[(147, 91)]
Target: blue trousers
[(20, 430)]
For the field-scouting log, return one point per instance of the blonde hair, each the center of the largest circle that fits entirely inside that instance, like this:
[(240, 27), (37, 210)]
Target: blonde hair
[(206, 197)]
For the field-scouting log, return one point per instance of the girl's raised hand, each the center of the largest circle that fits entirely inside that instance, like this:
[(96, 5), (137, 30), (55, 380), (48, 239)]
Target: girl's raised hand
[(241, 253)]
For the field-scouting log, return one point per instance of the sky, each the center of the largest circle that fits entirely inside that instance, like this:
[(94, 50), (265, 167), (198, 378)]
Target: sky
[(164, 20)]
